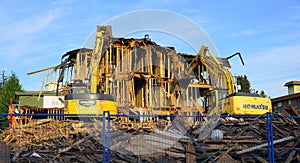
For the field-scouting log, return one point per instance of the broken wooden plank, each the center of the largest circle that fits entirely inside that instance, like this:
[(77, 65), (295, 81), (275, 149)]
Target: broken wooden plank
[(190, 158), (290, 157), (298, 157), (32, 124), (74, 144), (225, 152), (17, 154), (233, 141), (259, 158), (293, 112), (226, 158), (264, 145)]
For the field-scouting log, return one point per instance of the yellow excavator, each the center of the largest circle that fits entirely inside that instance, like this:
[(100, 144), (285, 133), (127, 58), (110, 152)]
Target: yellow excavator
[(84, 96), (223, 98)]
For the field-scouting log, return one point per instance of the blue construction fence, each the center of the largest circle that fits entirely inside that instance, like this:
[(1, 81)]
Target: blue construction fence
[(149, 138)]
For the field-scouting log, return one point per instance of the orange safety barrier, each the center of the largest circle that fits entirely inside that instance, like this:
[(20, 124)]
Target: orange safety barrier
[(12, 119)]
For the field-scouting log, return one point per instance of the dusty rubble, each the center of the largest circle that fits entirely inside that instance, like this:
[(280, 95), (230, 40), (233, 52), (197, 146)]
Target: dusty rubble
[(243, 140)]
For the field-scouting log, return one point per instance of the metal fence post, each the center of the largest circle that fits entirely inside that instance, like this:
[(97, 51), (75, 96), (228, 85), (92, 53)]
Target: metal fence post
[(103, 138), (270, 138), (108, 136)]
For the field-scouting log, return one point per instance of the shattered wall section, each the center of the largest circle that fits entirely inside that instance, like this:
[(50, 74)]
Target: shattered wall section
[(142, 74)]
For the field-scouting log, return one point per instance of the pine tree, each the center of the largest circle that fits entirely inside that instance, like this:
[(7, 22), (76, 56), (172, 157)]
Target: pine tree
[(9, 89), (244, 82), (263, 94), (246, 86)]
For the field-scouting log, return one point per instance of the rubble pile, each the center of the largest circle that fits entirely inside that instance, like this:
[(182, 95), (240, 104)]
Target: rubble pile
[(234, 140)]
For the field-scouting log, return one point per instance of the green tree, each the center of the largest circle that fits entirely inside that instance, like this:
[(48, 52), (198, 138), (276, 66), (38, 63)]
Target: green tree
[(2, 79), (246, 86), (9, 89), (263, 94), (244, 82)]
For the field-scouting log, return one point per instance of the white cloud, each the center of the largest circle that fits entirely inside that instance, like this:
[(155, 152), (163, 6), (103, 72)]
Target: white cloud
[(269, 69), (276, 62), (294, 7), (246, 32), (19, 38), (28, 27), (272, 88), (165, 22)]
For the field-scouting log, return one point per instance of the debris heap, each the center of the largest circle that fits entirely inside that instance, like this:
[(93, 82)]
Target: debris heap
[(243, 140)]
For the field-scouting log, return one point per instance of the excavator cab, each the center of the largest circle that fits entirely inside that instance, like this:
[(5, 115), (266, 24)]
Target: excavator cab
[(79, 100), (213, 101), (83, 103)]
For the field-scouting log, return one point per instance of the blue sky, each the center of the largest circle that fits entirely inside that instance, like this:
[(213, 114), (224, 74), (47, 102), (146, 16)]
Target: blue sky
[(34, 34)]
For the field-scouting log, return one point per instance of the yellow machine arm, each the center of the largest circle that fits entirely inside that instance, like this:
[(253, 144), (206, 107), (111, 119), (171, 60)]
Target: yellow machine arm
[(230, 82), (219, 78), (103, 34), (222, 77)]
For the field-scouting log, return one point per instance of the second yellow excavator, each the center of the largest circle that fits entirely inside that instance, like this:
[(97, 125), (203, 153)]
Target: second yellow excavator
[(223, 98), (84, 98)]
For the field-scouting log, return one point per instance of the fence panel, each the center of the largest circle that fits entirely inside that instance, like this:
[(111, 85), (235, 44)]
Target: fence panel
[(152, 138)]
